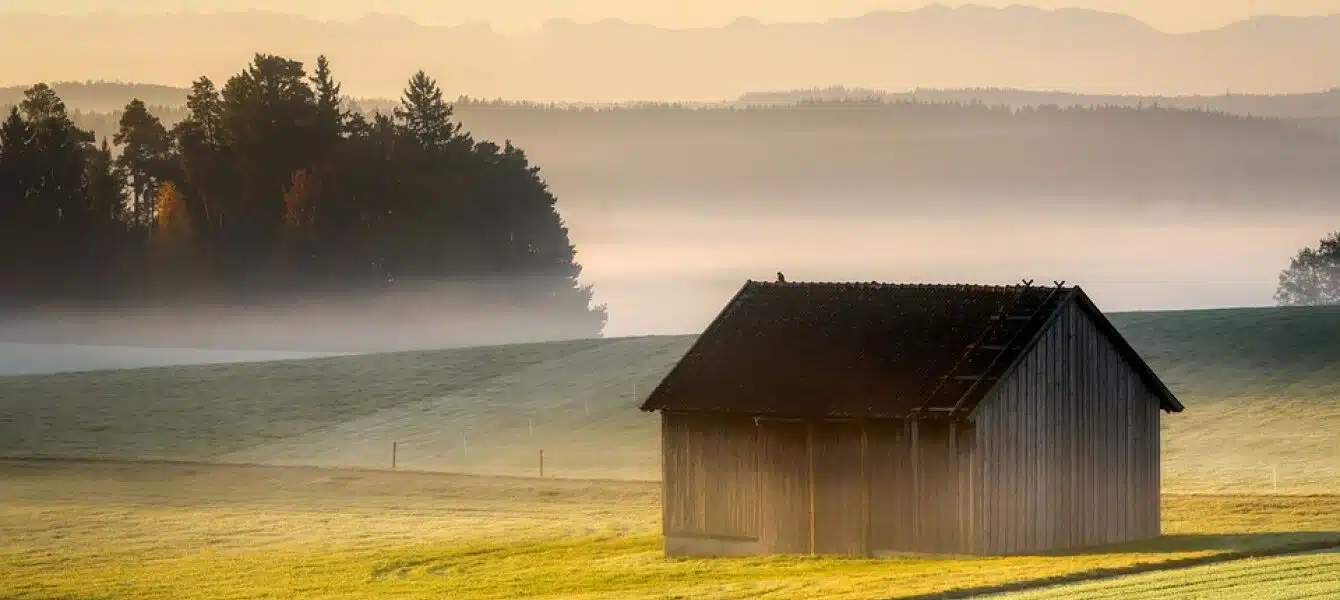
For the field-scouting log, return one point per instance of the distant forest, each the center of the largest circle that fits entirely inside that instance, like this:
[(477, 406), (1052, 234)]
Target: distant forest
[(743, 158), (267, 189)]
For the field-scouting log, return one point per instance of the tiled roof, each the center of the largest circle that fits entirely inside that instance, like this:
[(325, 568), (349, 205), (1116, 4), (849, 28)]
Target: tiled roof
[(859, 350)]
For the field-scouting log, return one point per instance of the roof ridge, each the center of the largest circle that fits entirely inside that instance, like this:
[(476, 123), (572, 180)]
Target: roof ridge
[(909, 285)]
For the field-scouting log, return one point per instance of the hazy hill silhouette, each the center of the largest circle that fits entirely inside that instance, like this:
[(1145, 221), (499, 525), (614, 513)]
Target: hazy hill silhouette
[(1306, 107), (932, 47)]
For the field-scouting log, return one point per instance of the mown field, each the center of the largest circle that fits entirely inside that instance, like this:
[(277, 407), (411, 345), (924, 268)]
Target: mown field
[(154, 531), (1261, 387), (1311, 575)]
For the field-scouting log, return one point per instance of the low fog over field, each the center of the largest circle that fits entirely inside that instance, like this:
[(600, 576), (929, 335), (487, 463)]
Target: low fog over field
[(672, 272)]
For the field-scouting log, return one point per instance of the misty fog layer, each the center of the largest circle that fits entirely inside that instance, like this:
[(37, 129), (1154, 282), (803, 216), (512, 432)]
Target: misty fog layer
[(671, 273)]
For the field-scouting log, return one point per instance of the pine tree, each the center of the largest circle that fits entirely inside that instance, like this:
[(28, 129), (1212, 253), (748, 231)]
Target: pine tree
[(425, 116), (144, 158)]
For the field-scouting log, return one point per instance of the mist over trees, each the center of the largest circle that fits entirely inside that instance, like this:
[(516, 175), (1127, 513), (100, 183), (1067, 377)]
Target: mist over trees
[(268, 189)]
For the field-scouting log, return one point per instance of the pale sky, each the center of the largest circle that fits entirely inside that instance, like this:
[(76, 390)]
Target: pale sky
[(521, 15)]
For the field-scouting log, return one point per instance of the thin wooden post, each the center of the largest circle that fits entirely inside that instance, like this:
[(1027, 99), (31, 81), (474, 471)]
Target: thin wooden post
[(542, 463), (393, 453)]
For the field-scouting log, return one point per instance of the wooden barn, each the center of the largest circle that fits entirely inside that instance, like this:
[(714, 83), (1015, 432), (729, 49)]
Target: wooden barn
[(872, 419)]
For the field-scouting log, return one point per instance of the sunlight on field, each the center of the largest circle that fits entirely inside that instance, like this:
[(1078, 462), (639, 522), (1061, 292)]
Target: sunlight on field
[(1310, 575), (1257, 443), (173, 531)]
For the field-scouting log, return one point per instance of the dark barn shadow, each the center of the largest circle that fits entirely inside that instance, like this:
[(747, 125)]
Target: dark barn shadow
[(1227, 542)]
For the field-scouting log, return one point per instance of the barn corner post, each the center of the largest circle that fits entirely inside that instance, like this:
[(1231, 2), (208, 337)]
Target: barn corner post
[(867, 550), (809, 454), (665, 484)]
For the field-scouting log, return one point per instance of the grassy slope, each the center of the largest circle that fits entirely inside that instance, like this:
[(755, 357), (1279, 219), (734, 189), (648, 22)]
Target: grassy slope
[(1262, 388), (71, 530)]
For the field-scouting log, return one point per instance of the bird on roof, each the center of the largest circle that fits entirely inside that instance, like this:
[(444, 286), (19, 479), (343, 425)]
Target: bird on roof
[(781, 278)]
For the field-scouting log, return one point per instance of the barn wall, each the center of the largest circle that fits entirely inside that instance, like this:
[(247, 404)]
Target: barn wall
[(735, 486), (709, 484), (1068, 447), (785, 493), (840, 487), (920, 487)]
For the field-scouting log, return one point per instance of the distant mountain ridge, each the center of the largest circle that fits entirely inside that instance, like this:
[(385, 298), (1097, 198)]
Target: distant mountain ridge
[(108, 97), (933, 47)]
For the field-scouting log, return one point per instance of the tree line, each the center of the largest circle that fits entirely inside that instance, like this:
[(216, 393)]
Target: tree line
[(887, 118), (270, 188)]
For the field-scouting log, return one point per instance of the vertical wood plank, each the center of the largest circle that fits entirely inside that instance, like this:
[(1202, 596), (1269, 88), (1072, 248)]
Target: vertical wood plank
[(865, 490), (809, 453), (916, 512)]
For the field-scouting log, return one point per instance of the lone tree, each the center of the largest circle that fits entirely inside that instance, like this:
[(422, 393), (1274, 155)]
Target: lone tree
[(1313, 276)]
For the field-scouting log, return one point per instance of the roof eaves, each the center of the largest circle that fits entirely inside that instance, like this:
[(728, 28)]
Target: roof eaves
[(648, 405), (1168, 400)]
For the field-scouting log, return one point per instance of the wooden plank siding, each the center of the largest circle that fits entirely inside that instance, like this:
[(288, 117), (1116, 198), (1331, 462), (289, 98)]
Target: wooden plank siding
[(1068, 447), (839, 488), (710, 476), (784, 487), (823, 487), (892, 500)]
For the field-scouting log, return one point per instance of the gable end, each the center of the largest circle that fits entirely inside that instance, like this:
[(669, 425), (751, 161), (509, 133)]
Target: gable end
[(1167, 400)]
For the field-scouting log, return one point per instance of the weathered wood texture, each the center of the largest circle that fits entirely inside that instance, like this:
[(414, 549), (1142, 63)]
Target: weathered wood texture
[(784, 482), (710, 478), (823, 487), (1068, 447)]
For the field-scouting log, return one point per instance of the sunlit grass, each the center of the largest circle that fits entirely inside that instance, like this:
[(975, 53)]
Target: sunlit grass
[(1261, 389), (1311, 575), (160, 531)]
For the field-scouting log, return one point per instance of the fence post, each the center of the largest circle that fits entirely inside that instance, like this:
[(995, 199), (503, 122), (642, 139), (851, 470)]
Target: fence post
[(542, 463), (393, 453)]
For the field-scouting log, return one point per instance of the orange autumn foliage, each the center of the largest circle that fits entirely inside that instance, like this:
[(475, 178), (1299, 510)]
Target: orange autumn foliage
[(173, 219), (298, 199)]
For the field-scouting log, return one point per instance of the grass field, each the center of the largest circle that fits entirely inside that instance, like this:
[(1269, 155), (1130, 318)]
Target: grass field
[(1262, 387), (150, 531)]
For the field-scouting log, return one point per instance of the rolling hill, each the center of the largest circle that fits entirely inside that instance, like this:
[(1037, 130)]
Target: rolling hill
[(1260, 385)]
